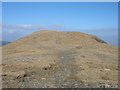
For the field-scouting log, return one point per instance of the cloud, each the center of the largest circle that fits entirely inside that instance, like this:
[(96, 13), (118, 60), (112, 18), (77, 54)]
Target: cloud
[(0, 35), (12, 35), (101, 30), (110, 35), (13, 32), (34, 27)]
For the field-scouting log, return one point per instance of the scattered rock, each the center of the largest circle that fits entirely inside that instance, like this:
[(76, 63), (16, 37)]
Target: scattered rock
[(17, 74), (105, 78), (62, 57), (107, 69), (59, 60), (43, 78), (4, 74), (105, 86)]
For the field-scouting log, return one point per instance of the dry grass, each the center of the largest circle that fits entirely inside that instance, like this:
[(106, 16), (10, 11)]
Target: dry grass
[(41, 50)]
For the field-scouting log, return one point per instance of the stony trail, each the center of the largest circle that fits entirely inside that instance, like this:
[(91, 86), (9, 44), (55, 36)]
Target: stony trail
[(62, 74), (54, 59)]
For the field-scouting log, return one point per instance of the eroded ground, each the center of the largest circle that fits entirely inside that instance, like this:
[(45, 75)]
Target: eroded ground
[(60, 65)]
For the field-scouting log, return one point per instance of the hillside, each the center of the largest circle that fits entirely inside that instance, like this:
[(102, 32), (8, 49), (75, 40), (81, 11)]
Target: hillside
[(54, 59)]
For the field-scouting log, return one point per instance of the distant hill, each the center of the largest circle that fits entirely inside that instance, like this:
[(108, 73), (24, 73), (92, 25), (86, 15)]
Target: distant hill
[(2, 43)]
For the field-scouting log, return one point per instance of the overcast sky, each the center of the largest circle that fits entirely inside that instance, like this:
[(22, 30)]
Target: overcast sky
[(23, 18)]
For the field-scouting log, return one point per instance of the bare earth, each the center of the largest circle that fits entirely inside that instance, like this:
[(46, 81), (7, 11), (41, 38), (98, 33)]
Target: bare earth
[(53, 59)]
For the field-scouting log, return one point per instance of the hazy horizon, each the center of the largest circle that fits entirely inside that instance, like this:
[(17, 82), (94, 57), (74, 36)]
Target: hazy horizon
[(96, 18)]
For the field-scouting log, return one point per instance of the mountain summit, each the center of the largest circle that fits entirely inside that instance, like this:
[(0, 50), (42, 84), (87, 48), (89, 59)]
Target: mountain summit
[(56, 59), (57, 38)]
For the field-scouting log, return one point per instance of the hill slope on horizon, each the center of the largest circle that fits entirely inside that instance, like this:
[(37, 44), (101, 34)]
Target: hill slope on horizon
[(55, 59), (2, 43)]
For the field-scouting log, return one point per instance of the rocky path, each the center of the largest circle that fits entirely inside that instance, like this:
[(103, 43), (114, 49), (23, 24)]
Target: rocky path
[(53, 59), (59, 75), (62, 74), (65, 75)]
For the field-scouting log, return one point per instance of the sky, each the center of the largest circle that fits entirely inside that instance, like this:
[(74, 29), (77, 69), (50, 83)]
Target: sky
[(20, 19)]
